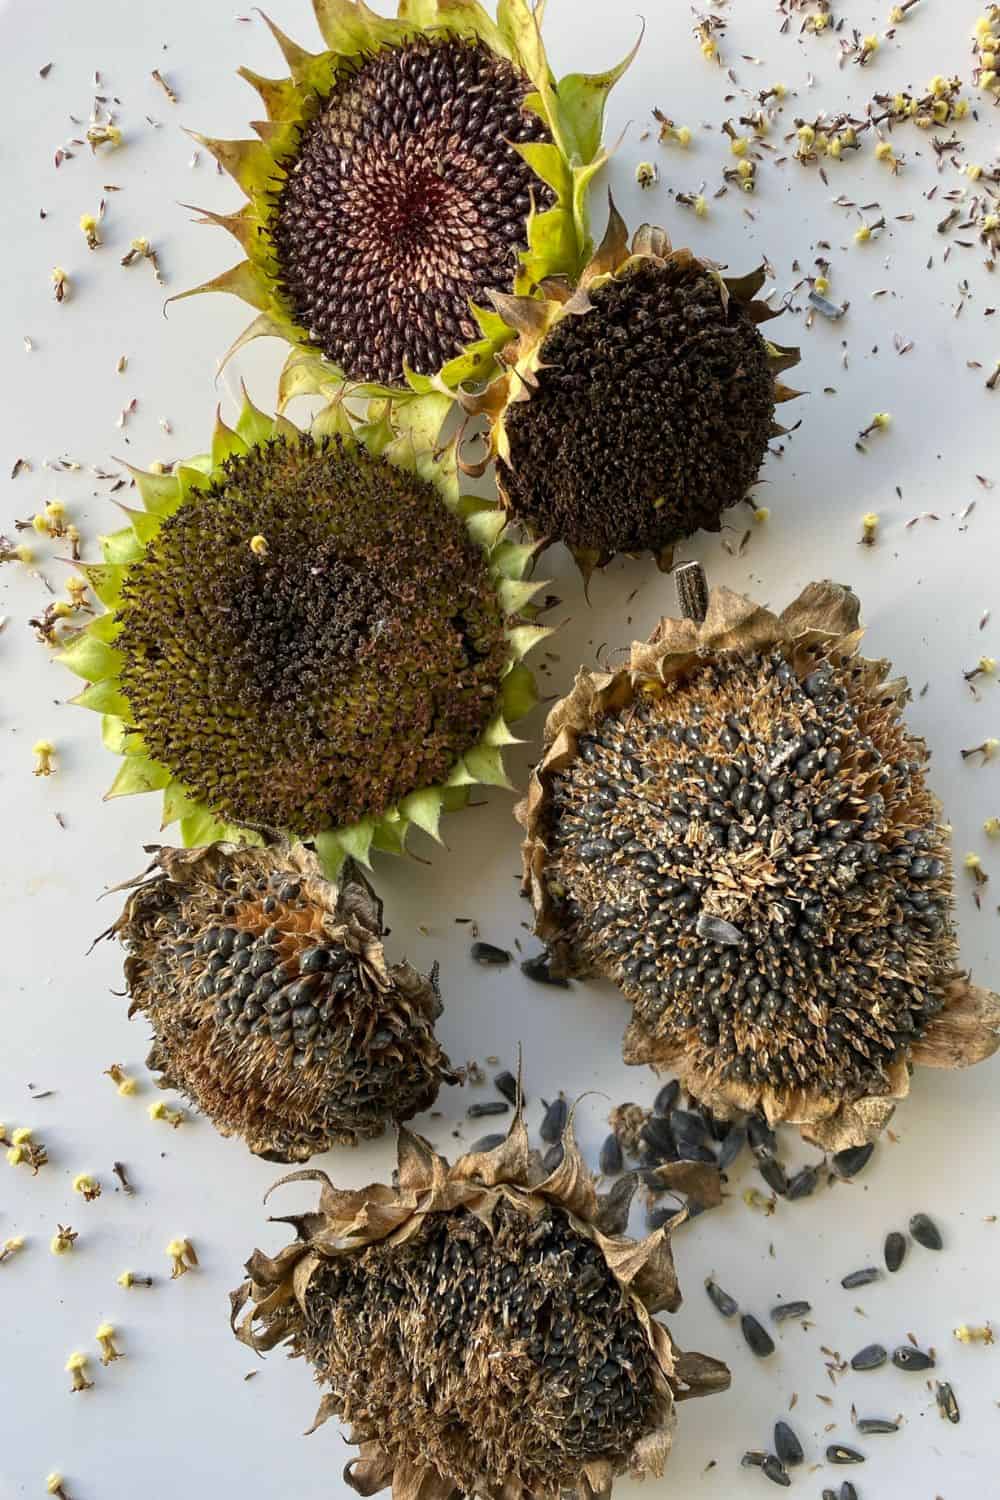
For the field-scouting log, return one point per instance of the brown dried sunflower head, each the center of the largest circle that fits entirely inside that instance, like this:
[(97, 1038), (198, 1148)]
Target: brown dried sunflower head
[(636, 405), (737, 829), (272, 1005), (479, 1329)]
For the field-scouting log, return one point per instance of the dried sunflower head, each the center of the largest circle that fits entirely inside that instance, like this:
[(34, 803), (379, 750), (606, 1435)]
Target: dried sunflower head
[(737, 829), (416, 164), (637, 404), (272, 1005), (479, 1329), (260, 660)]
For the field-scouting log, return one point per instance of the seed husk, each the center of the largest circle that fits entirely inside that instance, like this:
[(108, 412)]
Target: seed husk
[(773, 1174), (505, 1083), (721, 1300), (759, 1341), (871, 1357), (864, 1277), (773, 1469), (803, 1184), (872, 1426), (783, 1312), (895, 1250), (946, 1402), (787, 1445), (732, 1146), (488, 1107), (913, 1360), (925, 1232), (753, 1459), (838, 1453), (611, 1160), (849, 1163), (539, 969), (554, 1120), (488, 954)]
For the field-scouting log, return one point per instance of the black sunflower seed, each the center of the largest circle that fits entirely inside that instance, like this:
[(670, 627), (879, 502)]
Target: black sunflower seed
[(553, 1157), (837, 1453), (871, 1357), (758, 1339), (871, 1426), (610, 1160), (666, 1098), (538, 969), (908, 1358), (803, 1184), (787, 1445), (864, 1277), (732, 1146), (763, 1140), (895, 1250), (926, 1232), (688, 1128), (786, 1310), (852, 1161), (487, 954), (773, 1469), (847, 1491), (505, 1083), (726, 1305), (487, 1107), (946, 1403), (487, 1143), (554, 1121), (773, 1174)]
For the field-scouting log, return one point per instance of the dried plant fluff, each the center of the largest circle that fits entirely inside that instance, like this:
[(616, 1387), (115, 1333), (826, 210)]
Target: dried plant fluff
[(483, 1328), (737, 829)]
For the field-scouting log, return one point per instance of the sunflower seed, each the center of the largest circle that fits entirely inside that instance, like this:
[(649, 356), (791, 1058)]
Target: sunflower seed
[(486, 953), (871, 1357), (837, 1453), (946, 1403), (753, 1459), (787, 1446), (610, 1160), (666, 1098), (773, 1174), (758, 1339), (849, 1163), (487, 1107), (863, 1277), (786, 1310), (926, 1232), (726, 1305), (553, 1157), (763, 1140), (554, 1120), (773, 1469), (688, 1128), (829, 1495), (803, 1184), (895, 1250), (538, 969), (718, 931), (908, 1358), (732, 1146), (505, 1083), (486, 1143), (869, 1426), (847, 1491)]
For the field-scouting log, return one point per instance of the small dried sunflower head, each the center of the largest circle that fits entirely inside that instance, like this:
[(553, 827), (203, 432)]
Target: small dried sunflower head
[(479, 1329), (272, 1005), (738, 830), (637, 405), (420, 162), (297, 687)]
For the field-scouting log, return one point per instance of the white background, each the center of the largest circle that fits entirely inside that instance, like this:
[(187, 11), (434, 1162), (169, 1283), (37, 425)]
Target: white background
[(176, 1417)]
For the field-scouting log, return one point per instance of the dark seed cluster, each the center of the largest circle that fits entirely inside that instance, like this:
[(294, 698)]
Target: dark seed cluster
[(507, 1351), (321, 682), (787, 802), (652, 414), (405, 199), (274, 1028)]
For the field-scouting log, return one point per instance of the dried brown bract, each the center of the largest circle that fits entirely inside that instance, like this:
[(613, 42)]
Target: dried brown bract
[(737, 829), (477, 1329), (272, 1005)]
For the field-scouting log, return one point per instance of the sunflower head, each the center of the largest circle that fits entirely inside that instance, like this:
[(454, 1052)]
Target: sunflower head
[(272, 1005), (478, 1329), (310, 633), (415, 165), (737, 829), (637, 403)]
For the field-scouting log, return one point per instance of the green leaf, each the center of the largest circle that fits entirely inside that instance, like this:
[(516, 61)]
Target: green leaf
[(105, 628), (424, 809), (159, 493), (226, 443), (114, 733), (122, 547), (485, 763), (524, 638), (519, 694), (357, 839), (138, 773), (201, 827), (390, 835), (548, 163), (330, 854), (143, 524), (514, 594), (177, 803), (106, 580), (253, 426), (90, 658), (454, 798), (105, 698), (486, 525), (461, 776), (498, 734), (582, 99), (192, 478), (513, 559)]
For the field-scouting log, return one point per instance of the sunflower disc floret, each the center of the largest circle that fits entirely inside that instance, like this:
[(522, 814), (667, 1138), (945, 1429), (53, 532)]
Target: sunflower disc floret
[(272, 1005), (478, 1329), (738, 830), (309, 633), (638, 404), (417, 164)]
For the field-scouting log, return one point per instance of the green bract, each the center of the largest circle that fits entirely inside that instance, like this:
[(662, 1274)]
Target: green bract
[(457, 163), (310, 633)]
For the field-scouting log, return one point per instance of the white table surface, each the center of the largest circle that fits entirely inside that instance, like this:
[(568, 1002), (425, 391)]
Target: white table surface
[(176, 1416)]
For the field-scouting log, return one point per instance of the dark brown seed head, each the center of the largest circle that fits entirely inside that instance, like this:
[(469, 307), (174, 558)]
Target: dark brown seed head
[(652, 415), (405, 200), (304, 688), (271, 1003)]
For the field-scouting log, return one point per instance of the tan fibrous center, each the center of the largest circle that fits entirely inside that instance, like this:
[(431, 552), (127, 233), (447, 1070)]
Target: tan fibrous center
[(753, 854)]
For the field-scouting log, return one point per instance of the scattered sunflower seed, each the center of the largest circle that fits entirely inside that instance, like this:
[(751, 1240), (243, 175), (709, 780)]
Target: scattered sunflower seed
[(863, 1277), (487, 954), (666, 1098), (763, 1140), (847, 1491), (837, 1453), (732, 1146), (773, 1174), (487, 1143), (487, 1107), (554, 1120), (611, 1160), (553, 1157), (803, 1184), (914, 1360), (537, 968), (758, 1339), (946, 1403), (849, 1163), (925, 1232), (753, 1459), (870, 1426), (784, 1311), (721, 1300), (787, 1445), (773, 1469), (895, 1250), (871, 1357), (505, 1083)]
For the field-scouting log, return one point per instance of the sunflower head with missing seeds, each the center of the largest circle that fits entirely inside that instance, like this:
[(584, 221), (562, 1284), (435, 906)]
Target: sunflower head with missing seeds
[(418, 163), (737, 829), (309, 633), (482, 1327), (636, 403)]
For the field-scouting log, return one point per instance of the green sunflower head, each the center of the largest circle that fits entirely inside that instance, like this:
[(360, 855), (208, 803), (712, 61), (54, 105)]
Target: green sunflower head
[(414, 166), (309, 633)]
